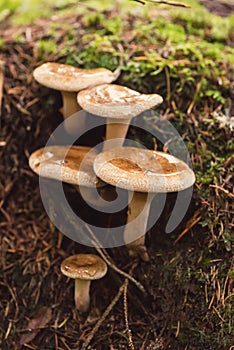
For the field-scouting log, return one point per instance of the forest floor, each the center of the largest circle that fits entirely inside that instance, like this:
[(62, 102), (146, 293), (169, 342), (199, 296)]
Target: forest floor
[(220, 8), (188, 297)]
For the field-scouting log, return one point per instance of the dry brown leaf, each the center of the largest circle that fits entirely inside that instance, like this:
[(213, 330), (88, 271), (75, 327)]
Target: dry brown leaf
[(41, 319)]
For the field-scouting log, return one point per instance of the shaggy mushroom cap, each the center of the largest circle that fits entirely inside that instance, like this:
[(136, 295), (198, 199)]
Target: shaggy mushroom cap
[(84, 266), (143, 170), (67, 164), (116, 101), (64, 77)]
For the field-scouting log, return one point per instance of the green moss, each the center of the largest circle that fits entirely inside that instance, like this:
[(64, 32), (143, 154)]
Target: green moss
[(10, 5), (46, 47)]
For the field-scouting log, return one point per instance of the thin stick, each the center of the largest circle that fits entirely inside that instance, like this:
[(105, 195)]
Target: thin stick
[(1, 86), (223, 190), (170, 3), (125, 304), (192, 222), (103, 317), (107, 259), (140, 1)]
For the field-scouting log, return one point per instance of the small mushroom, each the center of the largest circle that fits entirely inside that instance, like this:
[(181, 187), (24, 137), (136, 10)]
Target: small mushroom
[(119, 105), (69, 80), (83, 268), (72, 165), (143, 173)]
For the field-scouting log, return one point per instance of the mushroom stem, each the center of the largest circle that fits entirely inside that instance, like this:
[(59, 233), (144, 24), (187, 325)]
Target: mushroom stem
[(82, 297), (70, 107), (116, 73), (98, 197), (115, 132), (138, 213)]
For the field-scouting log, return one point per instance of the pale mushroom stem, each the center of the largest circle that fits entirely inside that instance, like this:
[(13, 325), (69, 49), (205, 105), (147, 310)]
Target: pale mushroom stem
[(116, 74), (70, 104), (98, 197), (138, 210), (115, 133), (70, 107), (82, 297)]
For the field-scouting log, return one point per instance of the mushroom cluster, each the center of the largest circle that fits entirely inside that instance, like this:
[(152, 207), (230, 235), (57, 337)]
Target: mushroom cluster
[(141, 172), (69, 80), (145, 173)]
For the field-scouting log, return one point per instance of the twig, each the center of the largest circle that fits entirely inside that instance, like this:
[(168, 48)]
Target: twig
[(218, 314), (125, 304), (170, 3), (107, 259), (198, 88), (140, 1), (1, 86), (168, 81), (223, 190), (192, 222), (103, 317)]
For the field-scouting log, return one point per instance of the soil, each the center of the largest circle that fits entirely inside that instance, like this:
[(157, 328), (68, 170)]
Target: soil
[(221, 8)]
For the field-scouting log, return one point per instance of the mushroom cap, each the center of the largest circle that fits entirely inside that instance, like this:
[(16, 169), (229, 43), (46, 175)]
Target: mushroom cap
[(67, 164), (143, 170), (116, 101), (64, 77), (84, 266)]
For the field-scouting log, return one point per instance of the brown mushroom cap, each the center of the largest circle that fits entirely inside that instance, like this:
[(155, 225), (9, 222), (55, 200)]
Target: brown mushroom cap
[(116, 101), (67, 164), (143, 170), (64, 77), (84, 266)]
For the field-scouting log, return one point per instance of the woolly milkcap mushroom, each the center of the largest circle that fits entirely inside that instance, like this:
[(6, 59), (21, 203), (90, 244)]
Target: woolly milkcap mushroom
[(145, 173), (69, 164), (63, 163), (118, 104), (83, 268), (69, 80)]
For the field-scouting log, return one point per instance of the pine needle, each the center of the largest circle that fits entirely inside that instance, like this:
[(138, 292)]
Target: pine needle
[(125, 304), (108, 261), (104, 316)]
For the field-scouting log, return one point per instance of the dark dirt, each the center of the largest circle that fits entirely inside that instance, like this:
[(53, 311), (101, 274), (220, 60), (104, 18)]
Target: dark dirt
[(221, 8)]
